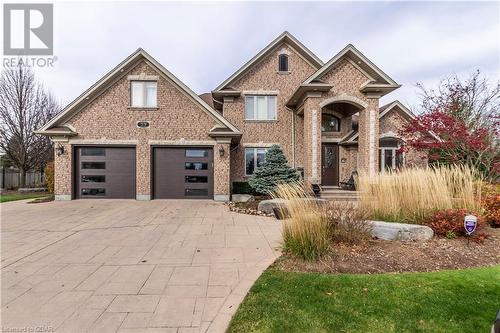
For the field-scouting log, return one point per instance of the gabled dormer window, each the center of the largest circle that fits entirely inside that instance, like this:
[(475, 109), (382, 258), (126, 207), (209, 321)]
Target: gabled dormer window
[(283, 63), (143, 94)]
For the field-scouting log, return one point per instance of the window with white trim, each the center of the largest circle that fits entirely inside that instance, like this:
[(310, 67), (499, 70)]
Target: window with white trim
[(390, 156), (143, 94), (254, 157), (260, 107)]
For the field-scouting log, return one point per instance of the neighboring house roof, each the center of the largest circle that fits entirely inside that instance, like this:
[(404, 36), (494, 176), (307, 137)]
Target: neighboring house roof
[(285, 37), (116, 73), (378, 80)]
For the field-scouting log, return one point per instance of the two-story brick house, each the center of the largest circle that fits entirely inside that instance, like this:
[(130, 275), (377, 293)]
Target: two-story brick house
[(139, 132)]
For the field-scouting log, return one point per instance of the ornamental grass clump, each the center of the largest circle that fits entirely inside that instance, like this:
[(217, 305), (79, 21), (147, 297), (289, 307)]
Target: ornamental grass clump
[(413, 195), (306, 231)]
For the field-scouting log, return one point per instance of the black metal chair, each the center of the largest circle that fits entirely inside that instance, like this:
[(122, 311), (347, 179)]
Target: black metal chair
[(350, 184)]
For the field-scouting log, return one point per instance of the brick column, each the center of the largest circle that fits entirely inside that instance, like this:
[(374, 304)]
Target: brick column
[(312, 143), (62, 171), (143, 170), (368, 140), (222, 183)]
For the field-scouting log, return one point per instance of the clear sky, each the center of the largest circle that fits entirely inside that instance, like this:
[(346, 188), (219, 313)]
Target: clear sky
[(203, 43)]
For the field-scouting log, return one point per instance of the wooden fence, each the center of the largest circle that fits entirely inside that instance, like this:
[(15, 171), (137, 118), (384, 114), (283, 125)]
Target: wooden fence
[(10, 178)]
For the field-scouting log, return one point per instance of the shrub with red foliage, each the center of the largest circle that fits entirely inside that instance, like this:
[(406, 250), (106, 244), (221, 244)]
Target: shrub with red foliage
[(451, 221), (491, 205)]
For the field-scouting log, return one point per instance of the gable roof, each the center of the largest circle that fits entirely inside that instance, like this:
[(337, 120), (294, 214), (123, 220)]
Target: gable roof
[(285, 37), (383, 110), (115, 74), (378, 79)]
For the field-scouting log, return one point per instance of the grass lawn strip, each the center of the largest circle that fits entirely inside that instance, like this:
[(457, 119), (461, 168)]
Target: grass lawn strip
[(21, 196), (445, 301)]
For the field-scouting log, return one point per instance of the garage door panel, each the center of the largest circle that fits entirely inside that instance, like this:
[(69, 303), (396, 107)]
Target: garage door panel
[(105, 172), (183, 172)]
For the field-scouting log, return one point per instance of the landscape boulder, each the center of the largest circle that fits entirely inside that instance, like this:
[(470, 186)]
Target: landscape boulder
[(268, 206), (242, 198), (400, 231)]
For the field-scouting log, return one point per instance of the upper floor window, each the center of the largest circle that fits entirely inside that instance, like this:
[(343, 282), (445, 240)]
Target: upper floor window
[(143, 94), (260, 107), (329, 123), (283, 63)]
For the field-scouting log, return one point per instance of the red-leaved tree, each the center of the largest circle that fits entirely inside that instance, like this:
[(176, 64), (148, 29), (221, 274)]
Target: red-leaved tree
[(459, 124)]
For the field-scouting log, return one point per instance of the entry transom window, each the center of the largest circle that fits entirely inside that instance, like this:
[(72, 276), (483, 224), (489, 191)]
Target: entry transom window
[(329, 123), (143, 94), (254, 157), (260, 107), (283, 63)]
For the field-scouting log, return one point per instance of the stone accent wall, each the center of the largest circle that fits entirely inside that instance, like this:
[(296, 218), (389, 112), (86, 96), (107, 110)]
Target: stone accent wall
[(264, 76), (109, 119)]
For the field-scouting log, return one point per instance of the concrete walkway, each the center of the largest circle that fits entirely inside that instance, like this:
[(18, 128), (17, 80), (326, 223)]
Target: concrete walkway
[(129, 266)]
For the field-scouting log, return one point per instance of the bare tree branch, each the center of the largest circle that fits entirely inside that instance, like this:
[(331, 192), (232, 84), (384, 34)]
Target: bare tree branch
[(24, 107)]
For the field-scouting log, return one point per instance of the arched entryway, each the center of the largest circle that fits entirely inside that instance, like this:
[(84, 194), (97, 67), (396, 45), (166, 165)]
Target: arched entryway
[(338, 119)]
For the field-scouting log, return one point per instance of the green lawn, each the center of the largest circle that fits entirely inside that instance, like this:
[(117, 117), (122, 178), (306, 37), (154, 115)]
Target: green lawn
[(447, 301), (21, 196)]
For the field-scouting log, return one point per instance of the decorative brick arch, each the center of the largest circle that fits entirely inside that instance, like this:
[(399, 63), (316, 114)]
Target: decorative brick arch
[(345, 98)]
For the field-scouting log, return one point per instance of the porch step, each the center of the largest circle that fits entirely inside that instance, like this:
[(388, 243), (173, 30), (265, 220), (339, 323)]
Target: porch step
[(337, 194)]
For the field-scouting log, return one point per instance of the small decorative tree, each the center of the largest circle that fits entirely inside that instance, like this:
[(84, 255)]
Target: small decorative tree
[(273, 171)]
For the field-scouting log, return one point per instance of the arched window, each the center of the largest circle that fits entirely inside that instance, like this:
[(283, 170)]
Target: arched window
[(329, 123), (283, 63)]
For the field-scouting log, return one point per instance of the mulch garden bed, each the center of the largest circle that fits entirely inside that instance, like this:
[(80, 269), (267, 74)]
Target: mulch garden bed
[(378, 256)]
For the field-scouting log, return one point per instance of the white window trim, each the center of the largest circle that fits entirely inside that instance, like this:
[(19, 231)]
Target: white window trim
[(254, 96), (144, 94), (254, 158), (382, 157)]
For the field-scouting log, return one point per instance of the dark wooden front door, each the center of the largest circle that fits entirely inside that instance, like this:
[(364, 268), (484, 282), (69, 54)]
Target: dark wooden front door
[(330, 164)]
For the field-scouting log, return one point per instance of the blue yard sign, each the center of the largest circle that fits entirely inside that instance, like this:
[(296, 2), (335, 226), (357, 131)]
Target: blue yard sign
[(470, 224)]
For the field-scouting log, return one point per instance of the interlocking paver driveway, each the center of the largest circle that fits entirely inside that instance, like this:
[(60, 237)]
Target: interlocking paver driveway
[(129, 266)]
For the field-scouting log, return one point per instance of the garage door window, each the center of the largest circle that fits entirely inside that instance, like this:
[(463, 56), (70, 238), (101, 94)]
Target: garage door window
[(196, 153), (98, 192), (196, 179), (93, 152), (93, 179), (196, 192), (196, 166), (93, 165)]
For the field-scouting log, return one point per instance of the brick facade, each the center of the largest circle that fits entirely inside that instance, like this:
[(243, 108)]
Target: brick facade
[(262, 78), (179, 120), (108, 119)]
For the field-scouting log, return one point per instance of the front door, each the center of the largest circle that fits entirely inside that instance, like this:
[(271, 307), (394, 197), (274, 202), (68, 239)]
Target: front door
[(330, 164)]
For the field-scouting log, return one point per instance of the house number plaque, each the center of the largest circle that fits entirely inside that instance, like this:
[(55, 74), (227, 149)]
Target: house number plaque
[(143, 124)]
